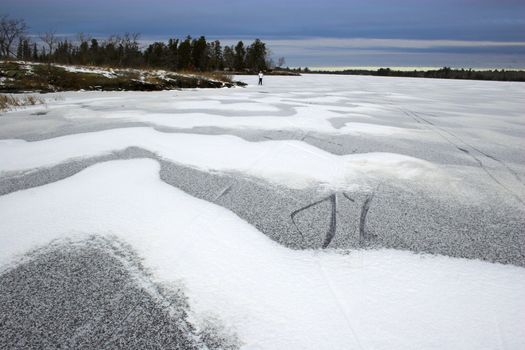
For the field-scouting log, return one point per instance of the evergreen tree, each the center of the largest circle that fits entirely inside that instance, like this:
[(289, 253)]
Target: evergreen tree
[(173, 54), (26, 50), (83, 52), (184, 54), (216, 60), (256, 56), (228, 57), (240, 56), (199, 54), (156, 55), (35, 52), (94, 52)]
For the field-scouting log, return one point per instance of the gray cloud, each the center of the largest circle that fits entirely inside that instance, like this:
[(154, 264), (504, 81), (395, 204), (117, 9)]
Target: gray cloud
[(307, 31)]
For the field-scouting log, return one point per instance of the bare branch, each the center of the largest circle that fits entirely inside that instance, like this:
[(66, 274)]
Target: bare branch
[(50, 39), (10, 31), (281, 61)]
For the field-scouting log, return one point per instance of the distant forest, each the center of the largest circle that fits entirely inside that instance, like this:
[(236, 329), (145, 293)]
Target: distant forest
[(442, 73), (125, 51)]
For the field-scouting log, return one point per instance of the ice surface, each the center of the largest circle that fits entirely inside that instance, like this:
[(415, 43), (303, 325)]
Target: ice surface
[(274, 297), (308, 133), (290, 163)]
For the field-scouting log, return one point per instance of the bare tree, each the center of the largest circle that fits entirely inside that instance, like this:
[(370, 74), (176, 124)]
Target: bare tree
[(83, 37), (270, 63), (50, 39), (281, 61), (10, 31), (132, 38)]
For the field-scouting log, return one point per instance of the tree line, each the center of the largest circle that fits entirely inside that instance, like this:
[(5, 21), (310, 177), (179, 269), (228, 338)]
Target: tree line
[(442, 73), (197, 54)]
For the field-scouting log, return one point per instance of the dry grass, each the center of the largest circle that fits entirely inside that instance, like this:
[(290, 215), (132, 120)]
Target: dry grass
[(17, 78), (8, 102), (218, 76)]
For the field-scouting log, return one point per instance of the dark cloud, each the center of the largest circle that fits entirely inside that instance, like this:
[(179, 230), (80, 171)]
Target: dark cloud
[(480, 20)]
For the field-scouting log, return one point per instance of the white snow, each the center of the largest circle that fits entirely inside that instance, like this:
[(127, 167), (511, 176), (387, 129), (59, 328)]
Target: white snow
[(306, 121), (277, 298), (290, 163), (217, 105), (374, 106), (186, 111), (108, 73), (274, 297)]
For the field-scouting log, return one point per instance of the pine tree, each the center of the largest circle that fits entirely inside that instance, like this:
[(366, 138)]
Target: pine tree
[(173, 54), (256, 56), (228, 57), (94, 51), (156, 55), (240, 56), (215, 52), (83, 52), (26, 50), (199, 53), (35, 52), (185, 54)]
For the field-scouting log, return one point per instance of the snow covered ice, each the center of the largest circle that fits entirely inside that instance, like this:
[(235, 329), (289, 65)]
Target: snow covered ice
[(414, 186)]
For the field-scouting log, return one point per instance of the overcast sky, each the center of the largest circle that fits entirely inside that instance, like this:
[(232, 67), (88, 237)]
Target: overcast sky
[(461, 33)]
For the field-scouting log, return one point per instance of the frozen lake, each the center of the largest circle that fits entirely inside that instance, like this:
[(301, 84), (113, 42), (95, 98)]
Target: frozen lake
[(311, 212)]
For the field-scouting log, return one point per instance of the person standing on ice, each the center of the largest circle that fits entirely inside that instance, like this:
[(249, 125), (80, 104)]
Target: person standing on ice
[(260, 77)]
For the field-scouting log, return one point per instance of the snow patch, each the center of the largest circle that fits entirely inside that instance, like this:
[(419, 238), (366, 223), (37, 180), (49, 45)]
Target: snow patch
[(109, 73), (295, 164), (274, 297)]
